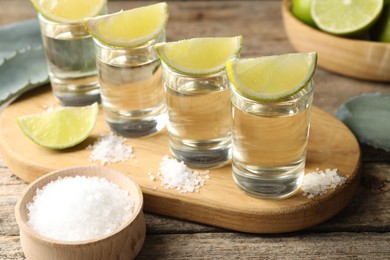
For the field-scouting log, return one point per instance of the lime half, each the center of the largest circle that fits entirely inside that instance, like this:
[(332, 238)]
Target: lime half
[(60, 128), (69, 11), (129, 28), (345, 17), (199, 56), (272, 78)]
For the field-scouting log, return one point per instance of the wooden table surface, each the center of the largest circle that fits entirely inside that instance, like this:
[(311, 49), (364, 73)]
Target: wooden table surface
[(360, 231)]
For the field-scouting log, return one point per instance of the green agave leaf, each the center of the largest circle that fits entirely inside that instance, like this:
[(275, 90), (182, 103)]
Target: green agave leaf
[(25, 70), (368, 117), (19, 36)]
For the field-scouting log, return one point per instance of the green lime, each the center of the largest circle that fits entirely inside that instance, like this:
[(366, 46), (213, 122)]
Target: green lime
[(381, 29), (272, 78), (131, 27), (60, 128), (345, 17), (301, 10), (199, 56)]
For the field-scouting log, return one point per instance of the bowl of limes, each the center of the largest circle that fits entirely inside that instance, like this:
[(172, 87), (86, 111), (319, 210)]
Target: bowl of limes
[(352, 38)]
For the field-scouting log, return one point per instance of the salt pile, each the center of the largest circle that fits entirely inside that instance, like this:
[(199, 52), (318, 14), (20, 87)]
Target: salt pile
[(110, 149), (79, 208), (319, 182), (176, 175)]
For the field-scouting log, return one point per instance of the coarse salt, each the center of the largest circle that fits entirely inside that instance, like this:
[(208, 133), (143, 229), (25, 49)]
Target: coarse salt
[(319, 182), (79, 208), (110, 148), (176, 175)]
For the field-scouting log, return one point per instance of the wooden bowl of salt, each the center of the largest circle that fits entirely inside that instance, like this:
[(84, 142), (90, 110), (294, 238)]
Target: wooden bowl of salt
[(81, 213), (361, 59)]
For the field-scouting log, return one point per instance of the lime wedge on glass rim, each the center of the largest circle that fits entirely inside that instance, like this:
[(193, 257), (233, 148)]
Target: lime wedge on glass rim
[(272, 78), (199, 56), (131, 27), (69, 11), (345, 17), (60, 128)]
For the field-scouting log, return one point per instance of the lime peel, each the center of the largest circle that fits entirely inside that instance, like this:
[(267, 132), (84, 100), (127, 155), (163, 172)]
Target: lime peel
[(272, 78), (69, 11), (129, 28), (199, 56), (60, 128)]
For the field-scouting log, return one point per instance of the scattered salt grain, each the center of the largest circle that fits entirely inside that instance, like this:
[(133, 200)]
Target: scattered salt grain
[(319, 182), (79, 208), (110, 149), (176, 175)]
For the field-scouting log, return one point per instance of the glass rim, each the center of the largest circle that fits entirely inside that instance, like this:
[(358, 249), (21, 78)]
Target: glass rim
[(294, 98), (147, 44), (42, 18), (222, 72)]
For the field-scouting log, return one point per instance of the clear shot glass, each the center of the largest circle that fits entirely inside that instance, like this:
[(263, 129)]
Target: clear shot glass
[(199, 124), (131, 88), (269, 141), (71, 62)]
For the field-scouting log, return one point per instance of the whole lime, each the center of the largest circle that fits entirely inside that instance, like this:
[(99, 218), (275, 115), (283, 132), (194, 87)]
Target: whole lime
[(301, 10), (381, 29)]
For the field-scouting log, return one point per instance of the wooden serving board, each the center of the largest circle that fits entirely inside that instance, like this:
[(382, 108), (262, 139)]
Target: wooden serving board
[(220, 202)]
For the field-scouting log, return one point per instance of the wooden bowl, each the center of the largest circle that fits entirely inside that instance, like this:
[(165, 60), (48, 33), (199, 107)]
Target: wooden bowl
[(360, 59), (123, 243)]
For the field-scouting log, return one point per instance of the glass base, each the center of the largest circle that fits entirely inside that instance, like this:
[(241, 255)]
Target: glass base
[(201, 155), (76, 92), (269, 183), (138, 127)]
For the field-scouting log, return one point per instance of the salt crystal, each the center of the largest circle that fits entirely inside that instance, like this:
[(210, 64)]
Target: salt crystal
[(110, 149), (319, 182), (79, 208), (176, 175)]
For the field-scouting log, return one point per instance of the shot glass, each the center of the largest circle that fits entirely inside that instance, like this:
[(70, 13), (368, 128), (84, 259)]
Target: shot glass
[(131, 88), (71, 62), (269, 141), (199, 117)]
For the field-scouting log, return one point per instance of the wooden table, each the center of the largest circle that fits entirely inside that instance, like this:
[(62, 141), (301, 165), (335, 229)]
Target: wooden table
[(361, 230)]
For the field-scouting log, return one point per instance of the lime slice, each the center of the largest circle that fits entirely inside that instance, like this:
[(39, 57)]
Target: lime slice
[(345, 17), (272, 78), (199, 56), (69, 11), (60, 128), (129, 28)]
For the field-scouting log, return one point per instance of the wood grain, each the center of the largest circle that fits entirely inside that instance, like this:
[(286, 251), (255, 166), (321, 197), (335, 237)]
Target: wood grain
[(362, 227), (331, 145)]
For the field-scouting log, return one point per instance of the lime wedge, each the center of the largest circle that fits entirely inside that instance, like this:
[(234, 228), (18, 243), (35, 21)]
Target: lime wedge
[(129, 28), (345, 17), (272, 78), (199, 56), (69, 11), (61, 128)]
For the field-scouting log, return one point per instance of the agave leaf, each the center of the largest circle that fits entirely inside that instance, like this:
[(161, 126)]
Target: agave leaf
[(25, 70), (368, 117), (19, 36)]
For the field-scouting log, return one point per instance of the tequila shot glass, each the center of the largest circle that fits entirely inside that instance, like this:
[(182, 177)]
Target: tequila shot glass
[(131, 88), (71, 62), (269, 141), (199, 112)]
